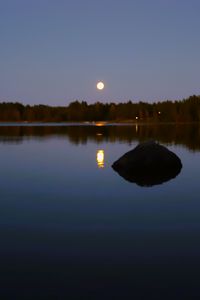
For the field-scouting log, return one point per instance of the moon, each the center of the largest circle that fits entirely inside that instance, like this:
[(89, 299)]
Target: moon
[(100, 85)]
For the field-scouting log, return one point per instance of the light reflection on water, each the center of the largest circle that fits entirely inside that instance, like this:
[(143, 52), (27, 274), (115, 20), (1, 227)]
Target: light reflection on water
[(100, 158)]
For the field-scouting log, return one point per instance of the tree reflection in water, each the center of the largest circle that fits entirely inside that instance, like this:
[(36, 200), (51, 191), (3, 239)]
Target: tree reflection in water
[(187, 135)]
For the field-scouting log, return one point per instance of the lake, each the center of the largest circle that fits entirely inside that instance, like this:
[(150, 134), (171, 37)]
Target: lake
[(72, 228)]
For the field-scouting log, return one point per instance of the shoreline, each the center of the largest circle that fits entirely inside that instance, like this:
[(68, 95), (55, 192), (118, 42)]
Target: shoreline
[(93, 123)]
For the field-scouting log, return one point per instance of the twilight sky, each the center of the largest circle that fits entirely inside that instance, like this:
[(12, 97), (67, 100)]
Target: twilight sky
[(54, 51)]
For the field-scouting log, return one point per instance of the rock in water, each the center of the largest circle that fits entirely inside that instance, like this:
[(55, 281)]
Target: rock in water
[(148, 164)]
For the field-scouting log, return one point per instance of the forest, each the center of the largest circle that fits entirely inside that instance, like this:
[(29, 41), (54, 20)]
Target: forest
[(179, 111)]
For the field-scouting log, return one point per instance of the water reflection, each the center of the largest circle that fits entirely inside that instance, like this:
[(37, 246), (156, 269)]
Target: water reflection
[(100, 158), (150, 178), (136, 128), (187, 135)]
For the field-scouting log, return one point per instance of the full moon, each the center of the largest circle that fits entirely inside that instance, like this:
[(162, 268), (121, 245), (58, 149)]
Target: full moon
[(100, 85)]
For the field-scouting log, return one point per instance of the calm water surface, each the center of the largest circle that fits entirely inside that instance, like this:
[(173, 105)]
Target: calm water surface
[(72, 228)]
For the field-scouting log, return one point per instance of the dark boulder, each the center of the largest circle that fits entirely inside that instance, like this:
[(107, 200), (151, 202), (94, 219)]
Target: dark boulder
[(148, 164)]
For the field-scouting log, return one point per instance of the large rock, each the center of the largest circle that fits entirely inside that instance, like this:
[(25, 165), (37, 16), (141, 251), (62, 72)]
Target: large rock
[(148, 164)]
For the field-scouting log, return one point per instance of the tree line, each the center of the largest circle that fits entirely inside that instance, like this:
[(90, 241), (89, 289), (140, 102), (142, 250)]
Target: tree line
[(186, 110)]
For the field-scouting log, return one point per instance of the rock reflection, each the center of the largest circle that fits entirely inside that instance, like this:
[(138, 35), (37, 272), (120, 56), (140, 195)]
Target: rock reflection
[(148, 164)]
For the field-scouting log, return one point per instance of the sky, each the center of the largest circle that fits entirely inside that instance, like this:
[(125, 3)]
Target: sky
[(55, 51)]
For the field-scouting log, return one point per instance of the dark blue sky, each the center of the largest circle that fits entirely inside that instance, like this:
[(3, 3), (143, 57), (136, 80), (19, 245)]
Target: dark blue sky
[(54, 51)]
